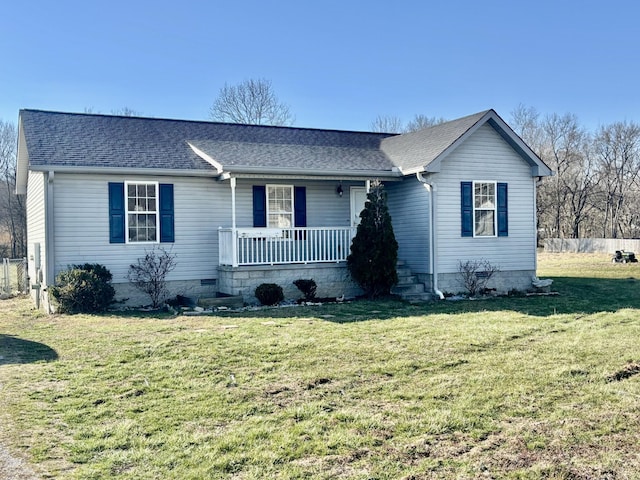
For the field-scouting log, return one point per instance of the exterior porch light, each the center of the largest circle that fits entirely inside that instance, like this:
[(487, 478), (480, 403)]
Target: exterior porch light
[(339, 190)]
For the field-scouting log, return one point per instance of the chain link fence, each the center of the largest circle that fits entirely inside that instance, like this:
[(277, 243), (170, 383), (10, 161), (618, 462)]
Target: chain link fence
[(14, 278)]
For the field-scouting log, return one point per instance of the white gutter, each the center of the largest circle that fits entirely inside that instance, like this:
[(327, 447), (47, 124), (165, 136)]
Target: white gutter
[(433, 244), (124, 170), (315, 171), (385, 174)]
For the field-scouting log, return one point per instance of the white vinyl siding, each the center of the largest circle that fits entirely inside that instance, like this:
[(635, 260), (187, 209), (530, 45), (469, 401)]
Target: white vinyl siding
[(36, 190), (201, 205), (486, 156), (408, 203)]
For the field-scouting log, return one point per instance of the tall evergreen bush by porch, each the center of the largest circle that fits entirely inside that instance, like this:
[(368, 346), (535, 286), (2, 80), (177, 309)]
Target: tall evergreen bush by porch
[(374, 250)]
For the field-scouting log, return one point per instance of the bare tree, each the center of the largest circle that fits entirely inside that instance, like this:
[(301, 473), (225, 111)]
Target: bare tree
[(526, 122), (123, 112), (126, 112), (387, 124), (618, 149), (565, 200), (394, 124), (13, 213), (252, 102), (422, 121)]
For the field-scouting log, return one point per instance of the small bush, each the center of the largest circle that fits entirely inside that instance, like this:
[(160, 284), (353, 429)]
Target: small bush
[(476, 275), (269, 293), (307, 287), (83, 289), (149, 274)]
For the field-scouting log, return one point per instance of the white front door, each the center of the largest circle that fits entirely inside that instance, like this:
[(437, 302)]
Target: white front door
[(358, 198)]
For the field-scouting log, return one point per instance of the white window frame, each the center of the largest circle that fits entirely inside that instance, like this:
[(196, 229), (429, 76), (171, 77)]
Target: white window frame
[(293, 209), (494, 209), (133, 212)]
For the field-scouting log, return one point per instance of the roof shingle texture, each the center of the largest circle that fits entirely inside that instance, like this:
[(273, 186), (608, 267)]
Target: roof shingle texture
[(87, 140)]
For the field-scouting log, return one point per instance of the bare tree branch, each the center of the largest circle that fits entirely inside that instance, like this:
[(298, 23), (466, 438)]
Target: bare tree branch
[(387, 124), (251, 102)]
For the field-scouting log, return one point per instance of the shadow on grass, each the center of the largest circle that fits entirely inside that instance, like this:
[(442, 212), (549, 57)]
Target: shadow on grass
[(579, 296), (17, 350)]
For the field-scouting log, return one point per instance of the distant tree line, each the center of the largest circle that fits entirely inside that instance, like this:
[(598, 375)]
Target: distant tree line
[(595, 191), (13, 218)]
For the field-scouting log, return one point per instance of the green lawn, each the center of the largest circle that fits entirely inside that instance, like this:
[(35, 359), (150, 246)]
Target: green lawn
[(520, 387)]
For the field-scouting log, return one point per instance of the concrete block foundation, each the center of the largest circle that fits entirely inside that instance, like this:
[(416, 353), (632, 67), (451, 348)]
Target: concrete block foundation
[(333, 280)]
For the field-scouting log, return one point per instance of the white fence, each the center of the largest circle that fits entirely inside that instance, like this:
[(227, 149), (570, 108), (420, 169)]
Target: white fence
[(268, 246), (13, 279), (590, 245)]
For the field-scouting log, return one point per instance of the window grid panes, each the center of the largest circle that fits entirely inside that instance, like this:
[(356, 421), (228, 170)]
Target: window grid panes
[(280, 206), (142, 212), (484, 212)]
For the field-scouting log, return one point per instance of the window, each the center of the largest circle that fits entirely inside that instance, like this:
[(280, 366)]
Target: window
[(275, 205), (279, 206), (484, 209), (142, 212)]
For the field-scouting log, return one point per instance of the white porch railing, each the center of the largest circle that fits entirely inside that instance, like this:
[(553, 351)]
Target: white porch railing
[(268, 246)]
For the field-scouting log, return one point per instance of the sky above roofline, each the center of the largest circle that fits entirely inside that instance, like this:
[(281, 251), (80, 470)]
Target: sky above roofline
[(336, 64)]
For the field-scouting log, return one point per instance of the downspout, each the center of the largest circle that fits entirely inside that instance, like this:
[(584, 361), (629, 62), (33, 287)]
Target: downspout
[(433, 244), (49, 239)]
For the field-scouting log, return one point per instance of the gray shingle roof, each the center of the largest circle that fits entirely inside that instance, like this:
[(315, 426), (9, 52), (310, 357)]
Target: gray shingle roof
[(87, 140), (90, 141)]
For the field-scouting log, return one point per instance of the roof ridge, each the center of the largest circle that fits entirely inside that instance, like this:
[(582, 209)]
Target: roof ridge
[(165, 119)]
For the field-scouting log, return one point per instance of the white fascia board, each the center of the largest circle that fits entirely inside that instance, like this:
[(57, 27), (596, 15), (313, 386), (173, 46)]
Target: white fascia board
[(22, 167), (164, 172), (314, 172), (206, 158)]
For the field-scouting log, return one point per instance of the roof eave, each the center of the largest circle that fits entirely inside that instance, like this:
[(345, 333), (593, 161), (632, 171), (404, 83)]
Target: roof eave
[(289, 172), (125, 171), (22, 166)]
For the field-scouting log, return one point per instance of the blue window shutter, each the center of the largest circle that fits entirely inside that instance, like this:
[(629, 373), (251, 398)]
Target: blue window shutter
[(167, 228), (116, 212), (466, 202), (259, 206), (503, 219), (300, 206)]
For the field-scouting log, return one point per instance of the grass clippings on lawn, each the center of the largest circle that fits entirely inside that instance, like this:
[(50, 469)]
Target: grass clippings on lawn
[(500, 388)]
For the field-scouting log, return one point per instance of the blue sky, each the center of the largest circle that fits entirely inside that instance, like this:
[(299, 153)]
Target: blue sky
[(338, 64)]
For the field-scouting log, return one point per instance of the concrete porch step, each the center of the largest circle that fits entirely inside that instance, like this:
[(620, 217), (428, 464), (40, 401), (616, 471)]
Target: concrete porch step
[(408, 286)]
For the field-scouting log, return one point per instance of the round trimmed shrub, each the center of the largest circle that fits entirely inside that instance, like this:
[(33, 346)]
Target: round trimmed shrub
[(269, 293), (83, 289), (307, 287)]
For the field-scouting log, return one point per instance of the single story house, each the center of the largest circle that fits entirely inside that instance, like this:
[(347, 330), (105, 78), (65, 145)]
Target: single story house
[(239, 205)]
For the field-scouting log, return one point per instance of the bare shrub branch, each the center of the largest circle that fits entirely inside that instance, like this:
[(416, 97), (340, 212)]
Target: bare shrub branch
[(476, 275)]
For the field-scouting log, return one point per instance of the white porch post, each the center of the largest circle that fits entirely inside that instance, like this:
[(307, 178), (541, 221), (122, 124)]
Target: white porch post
[(234, 240), (367, 185)]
